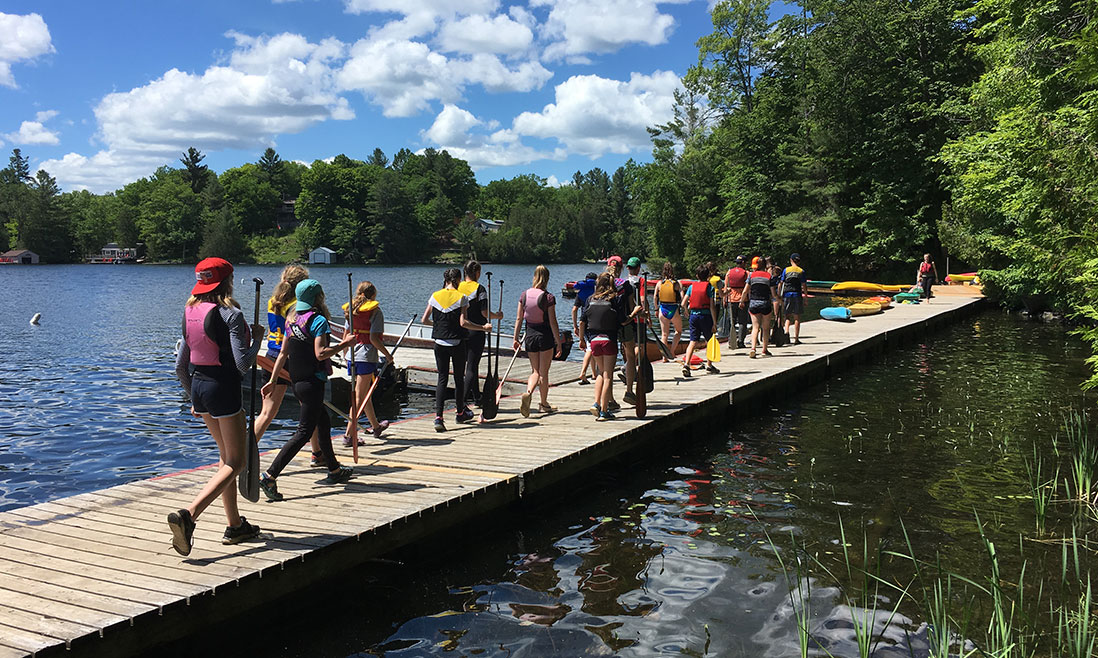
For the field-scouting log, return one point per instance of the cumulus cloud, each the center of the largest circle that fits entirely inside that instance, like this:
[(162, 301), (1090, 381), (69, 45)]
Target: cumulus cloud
[(483, 34), (453, 130), (270, 86), (404, 77), (579, 27), (594, 115), (418, 18), (33, 132), (25, 38)]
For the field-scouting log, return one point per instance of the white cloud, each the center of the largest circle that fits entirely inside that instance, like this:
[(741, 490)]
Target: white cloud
[(594, 116), (271, 86), (24, 38), (404, 77), (419, 17), (579, 27), (481, 34), (552, 181), (453, 131), (33, 132), (45, 115)]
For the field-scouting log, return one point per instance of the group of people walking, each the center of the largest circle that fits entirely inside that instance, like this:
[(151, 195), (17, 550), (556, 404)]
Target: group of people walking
[(611, 307)]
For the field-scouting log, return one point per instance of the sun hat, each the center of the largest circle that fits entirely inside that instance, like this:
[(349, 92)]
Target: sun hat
[(209, 273), (633, 262), (306, 293)]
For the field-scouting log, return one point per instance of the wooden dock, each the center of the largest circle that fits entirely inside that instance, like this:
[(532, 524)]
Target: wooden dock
[(94, 574)]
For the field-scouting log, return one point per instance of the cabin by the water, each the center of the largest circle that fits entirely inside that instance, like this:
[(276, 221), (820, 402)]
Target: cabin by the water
[(19, 257), (323, 256)]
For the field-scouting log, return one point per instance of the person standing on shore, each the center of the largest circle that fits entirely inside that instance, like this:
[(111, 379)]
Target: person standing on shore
[(280, 305), (220, 347), (369, 323), (584, 289), (305, 355), (669, 295), (602, 318), (479, 314), (538, 307), (927, 275), (447, 313), (794, 286), (700, 302), (758, 298), (734, 283)]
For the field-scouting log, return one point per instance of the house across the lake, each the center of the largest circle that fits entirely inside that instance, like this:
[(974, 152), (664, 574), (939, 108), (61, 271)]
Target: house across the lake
[(487, 226), (322, 256), (112, 254), (19, 257)]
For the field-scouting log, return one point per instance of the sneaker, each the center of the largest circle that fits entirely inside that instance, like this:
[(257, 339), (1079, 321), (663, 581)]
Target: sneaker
[(584, 381), (318, 461), (382, 425), (796, 341), (685, 370), (767, 353), (242, 532), (595, 410), (606, 415), (439, 425), (340, 475), (182, 531), (621, 375), (269, 487), (711, 368), (465, 416), (740, 345), (524, 405), (629, 398), (612, 405), (546, 408), (751, 354), (348, 442)]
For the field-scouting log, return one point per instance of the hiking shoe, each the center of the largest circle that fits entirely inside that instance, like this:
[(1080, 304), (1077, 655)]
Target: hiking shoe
[(382, 425), (709, 367), (629, 398), (340, 475), (242, 532), (318, 460), (182, 531), (439, 425), (524, 405), (465, 416), (685, 370), (269, 487), (606, 415), (595, 410)]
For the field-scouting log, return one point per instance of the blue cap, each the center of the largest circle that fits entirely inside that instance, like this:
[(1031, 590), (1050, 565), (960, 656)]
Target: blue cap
[(795, 257), (306, 293)]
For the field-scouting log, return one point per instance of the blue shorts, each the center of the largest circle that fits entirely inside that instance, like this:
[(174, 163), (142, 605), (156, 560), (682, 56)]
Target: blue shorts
[(363, 368), (219, 399), (669, 309), (701, 327)]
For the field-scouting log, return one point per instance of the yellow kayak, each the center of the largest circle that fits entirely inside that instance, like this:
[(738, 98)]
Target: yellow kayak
[(857, 285), (895, 288), (864, 308)]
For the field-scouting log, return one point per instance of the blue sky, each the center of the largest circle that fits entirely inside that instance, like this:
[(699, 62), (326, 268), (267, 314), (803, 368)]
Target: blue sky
[(100, 94)]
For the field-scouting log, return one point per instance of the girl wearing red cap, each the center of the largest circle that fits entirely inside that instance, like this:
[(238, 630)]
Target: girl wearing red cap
[(218, 348)]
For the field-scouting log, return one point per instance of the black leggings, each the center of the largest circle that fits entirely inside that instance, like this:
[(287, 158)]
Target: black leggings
[(444, 355), (310, 395), (474, 349)]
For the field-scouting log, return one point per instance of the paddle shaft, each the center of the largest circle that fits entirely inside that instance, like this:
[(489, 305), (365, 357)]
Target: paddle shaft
[(641, 386), (499, 322), (503, 380), (251, 397), (353, 421), (381, 371), (488, 338)]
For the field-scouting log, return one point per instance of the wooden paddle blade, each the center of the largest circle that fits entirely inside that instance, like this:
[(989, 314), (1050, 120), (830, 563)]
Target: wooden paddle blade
[(649, 377), (489, 403), (248, 481)]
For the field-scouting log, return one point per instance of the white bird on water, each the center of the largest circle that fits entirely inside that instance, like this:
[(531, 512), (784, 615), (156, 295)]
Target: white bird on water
[(36, 318)]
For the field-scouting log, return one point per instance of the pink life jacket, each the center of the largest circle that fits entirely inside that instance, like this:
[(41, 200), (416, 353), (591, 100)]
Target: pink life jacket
[(532, 298), (204, 349)]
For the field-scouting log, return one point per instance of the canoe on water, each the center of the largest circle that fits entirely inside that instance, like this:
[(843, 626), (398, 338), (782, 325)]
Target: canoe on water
[(835, 313), (864, 308)]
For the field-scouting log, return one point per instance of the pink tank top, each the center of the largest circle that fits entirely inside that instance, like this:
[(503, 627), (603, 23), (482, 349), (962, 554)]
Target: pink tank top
[(204, 350), (535, 314)]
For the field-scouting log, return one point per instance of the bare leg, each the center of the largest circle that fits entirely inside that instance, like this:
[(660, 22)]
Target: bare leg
[(766, 332), (665, 328), (630, 364), (230, 436), (587, 361), (544, 360), (677, 322)]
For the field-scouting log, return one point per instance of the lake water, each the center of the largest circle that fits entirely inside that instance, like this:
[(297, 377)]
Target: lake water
[(669, 555)]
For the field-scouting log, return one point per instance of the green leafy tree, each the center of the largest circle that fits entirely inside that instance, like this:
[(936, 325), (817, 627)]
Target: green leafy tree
[(195, 172), (378, 159), (223, 238), (252, 197), (170, 217)]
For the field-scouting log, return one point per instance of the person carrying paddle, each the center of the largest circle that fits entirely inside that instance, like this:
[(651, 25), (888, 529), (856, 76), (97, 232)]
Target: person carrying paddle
[(701, 304), (584, 289), (734, 282), (794, 286), (927, 275), (279, 306), (369, 324), (758, 298), (537, 307), (668, 294), (447, 313), (304, 356), (220, 347), (602, 319), (479, 314)]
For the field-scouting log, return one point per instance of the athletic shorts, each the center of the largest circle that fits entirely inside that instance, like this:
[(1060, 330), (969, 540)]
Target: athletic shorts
[(628, 333), (363, 367), (701, 327), (760, 307), (219, 399), (669, 309), (603, 345), (793, 305), (536, 341)]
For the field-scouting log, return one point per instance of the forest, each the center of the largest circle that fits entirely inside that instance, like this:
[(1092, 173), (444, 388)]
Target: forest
[(859, 133)]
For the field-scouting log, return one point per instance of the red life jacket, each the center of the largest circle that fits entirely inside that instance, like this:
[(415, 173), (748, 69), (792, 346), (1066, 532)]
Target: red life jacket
[(699, 295)]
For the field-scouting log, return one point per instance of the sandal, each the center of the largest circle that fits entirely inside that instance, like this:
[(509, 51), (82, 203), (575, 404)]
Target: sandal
[(546, 408), (751, 354)]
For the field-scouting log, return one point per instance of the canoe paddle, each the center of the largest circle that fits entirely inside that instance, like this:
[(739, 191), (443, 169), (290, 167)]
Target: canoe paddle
[(499, 389), (489, 404), (352, 426), (644, 366), (381, 371), (248, 481)]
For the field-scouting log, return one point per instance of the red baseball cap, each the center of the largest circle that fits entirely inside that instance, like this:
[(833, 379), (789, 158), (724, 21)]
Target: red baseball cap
[(613, 259), (210, 273)]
